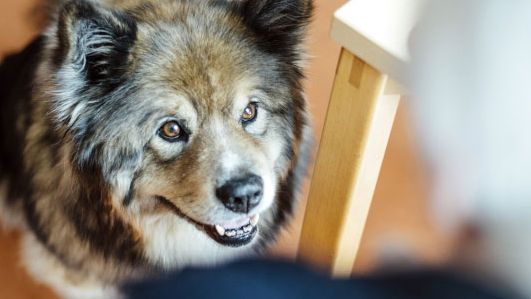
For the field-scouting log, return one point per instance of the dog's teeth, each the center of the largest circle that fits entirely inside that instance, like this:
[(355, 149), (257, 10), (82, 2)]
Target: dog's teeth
[(220, 230), (254, 220), (231, 233), (248, 228)]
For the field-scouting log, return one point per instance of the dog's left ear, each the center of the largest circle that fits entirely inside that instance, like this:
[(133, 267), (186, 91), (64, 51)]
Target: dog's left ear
[(280, 25)]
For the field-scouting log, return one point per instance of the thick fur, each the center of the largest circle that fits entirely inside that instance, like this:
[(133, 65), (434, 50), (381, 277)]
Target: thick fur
[(102, 198)]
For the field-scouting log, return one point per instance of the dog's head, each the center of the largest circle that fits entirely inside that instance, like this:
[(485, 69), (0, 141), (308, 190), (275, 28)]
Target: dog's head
[(185, 122)]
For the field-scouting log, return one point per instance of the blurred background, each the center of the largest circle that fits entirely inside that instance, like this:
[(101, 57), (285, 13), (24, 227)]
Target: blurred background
[(398, 228)]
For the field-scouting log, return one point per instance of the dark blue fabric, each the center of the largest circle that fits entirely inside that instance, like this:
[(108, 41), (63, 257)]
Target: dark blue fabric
[(277, 280)]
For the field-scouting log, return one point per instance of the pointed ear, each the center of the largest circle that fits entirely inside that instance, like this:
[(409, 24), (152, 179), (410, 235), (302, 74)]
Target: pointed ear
[(280, 24), (95, 41)]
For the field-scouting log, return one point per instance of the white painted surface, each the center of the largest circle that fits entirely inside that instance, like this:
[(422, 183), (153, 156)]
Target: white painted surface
[(472, 113), (378, 32)]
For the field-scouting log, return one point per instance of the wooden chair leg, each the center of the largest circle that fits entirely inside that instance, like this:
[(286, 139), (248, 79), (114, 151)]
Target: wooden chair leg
[(355, 136)]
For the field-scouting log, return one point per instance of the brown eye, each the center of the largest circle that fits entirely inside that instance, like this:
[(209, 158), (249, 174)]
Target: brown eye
[(170, 131), (249, 113)]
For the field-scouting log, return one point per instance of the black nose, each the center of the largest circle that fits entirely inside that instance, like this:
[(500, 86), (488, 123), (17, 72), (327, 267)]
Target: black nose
[(241, 195)]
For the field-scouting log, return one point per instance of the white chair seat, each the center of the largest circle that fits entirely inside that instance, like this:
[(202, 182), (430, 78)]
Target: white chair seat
[(377, 31)]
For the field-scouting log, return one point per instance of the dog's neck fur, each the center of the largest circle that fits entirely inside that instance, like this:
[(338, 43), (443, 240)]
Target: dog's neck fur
[(20, 98), (16, 74)]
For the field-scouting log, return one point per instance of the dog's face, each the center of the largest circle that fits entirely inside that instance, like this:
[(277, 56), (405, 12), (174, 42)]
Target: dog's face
[(189, 115)]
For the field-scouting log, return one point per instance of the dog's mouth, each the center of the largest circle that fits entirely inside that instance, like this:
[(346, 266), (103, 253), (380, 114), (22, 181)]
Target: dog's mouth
[(234, 233)]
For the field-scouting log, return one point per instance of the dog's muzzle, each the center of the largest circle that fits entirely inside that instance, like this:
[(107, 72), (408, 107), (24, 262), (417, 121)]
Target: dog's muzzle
[(239, 195)]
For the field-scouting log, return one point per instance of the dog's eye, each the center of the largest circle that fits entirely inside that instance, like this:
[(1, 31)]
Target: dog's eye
[(171, 131), (249, 113)]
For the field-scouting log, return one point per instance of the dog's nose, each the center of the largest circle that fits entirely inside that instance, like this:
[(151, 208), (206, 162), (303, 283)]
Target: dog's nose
[(241, 195)]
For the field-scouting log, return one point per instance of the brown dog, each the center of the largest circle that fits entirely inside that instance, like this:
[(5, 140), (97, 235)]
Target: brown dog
[(142, 136)]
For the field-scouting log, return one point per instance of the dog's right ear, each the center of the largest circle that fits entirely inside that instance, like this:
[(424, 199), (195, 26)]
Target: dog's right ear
[(95, 41), (280, 25)]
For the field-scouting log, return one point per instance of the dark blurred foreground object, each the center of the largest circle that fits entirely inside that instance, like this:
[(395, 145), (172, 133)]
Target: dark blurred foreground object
[(277, 280)]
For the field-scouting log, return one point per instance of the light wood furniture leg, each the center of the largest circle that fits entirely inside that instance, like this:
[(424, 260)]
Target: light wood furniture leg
[(357, 128)]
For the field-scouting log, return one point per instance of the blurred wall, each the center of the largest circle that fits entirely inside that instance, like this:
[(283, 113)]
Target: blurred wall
[(398, 227), (16, 25)]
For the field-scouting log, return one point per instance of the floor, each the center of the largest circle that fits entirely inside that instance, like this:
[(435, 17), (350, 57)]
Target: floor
[(398, 228)]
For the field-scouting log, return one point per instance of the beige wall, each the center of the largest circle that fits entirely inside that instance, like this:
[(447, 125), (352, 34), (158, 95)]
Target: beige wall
[(16, 27), (397, 222)]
